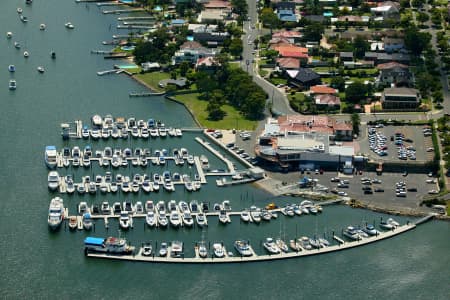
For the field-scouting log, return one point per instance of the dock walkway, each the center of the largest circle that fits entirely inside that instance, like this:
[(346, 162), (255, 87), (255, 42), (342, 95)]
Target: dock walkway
[(255, 257), (217, 153)]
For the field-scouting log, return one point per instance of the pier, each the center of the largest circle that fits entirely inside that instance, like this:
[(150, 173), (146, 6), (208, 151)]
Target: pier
[(257, 258), (135, 27), (229, 164), (425, 219), (123, 11), (144, 94), (135, 18), (114, 71)]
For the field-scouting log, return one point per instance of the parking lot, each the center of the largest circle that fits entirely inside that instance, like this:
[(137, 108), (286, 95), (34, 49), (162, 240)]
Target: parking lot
[(395, 143)]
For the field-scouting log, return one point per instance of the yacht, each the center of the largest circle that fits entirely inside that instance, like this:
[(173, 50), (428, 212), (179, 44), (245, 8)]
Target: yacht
[(81, 189), (295, 245), (11, 68), (245, 215), (105, 209), (125, 220), (42, 26), (150, 219), (304, 243), (218, 250), (270, 246), (243, 247), (176, 249), (162, 219), (73, 223), (389, 224), (187, 219), (168, 185), (55, 213), (190, 160), (87, 221), (352, 233), (109, 245), (147, 249), (163, 249), (139, 208), (183, 206), (113, 187), (149, 206), (193, 206), (178, 132), (53, 180), (204, 162), (223, 217), (201, 219), (117, 208), (175, 219), (282, 245), (50, 157), (202, 250), (12, 84), (82, 208), (297, 210), (69, 25), (370, 230), (70, 186), (315, 243), (255, 214)]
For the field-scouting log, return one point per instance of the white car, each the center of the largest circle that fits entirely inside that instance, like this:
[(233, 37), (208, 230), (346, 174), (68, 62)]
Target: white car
[(341, 193), (433, 192)]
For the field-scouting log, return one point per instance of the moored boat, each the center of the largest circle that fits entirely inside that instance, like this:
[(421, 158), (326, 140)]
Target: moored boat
[(53, 180), (389, 224), (270, 246), (73, 223), (370, 230), (243, 248), (352, 233), (218, 250), (12, 84), (147, 249), (107, 245), (11, 68), (87, 221), (50, 157), (55, 213)]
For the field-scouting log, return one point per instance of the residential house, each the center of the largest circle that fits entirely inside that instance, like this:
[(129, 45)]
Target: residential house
[(191, 52), (327, 101), (386, 10), (290, 35), (393, 44), (400, 98), (212, 39), (215, 10), (288, 63), (380, 58), (207, 64), (303, 78), (346, 56), (394, 73), (149, 66), (288, 50), (286, 11), (322, 90)]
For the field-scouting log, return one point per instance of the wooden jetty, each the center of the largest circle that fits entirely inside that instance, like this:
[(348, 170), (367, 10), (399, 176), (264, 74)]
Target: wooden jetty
[(135, 18), (144, 94), (125, 36), (110, 4), (123, 11), (106, 72), (135, 27), (257, 258), (101, 52), (117, 56)]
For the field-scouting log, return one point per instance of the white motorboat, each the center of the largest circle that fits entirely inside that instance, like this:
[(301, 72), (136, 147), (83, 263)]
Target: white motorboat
[(82, 208), (73, 223), (117, 208), (193, 206), (245, 215), (81, 189), (295, 245), (113, 187), (105, 209), (389, 224), (168, 185), (266, 215), (53, 180), (175, 219), (147, 249), (163, 249), (150, 219), (187, 219), (69, 25), (87, 221), (282, 245), (304, 243), (190, 160), (370, 230), (162, 219), (270, 246), (162, 132), (42, 26), (50, 157), (243, 248), (17, 45), (255, 214), (154, 133), (125, 187), (19, 10), (26, 54), (9, 34), (23, 19), (92, 187), (218, 250), (12, 84), (315, 243), (11, 68), (204, 162), (149, 206), (352, 233), (139, 208), (201, 219), (297, 210), (55, 213), (223, 217), (183, 206), (125, 220), (176, 249), (202, 250), (178, 132), (70, 186)]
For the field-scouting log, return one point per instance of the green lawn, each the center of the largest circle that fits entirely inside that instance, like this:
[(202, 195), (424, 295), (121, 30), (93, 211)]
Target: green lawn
[(276, 81), (448, 207), (233, 118), (152, 79)]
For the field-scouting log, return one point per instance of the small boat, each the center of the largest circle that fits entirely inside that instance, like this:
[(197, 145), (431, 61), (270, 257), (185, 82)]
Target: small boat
[(218, 250), (17, 45), (81, 189), (163, 249), (187, 219), (23, 19), (193, 206), (175, 219), (11, 68), (106, 210), (204, 162), (26, 54), (370, 230), (70, 186), (205, 207), (202, 250), (113, 187), (55, 213), (147, 249), (315, 243), (295, 245), (270, 246), (245, 215), (28, 1), (266, 215), (108, 245), (19, 10), (139, 208), (324, 242), (243, 248), (53, 180), (176, 249), (73, 223), (124, 220), (53, 54), (40, 69), (282, 245), (117, 208), (87, 221), (12, 84), (255, 214), (178, 132), (223, 217), (42, 26), (82, 208), (9, 34), (150, 219), (352, 233), (201, 219), (69, 25), (50, 157), (304, 243), (389, 224), (162, 219)]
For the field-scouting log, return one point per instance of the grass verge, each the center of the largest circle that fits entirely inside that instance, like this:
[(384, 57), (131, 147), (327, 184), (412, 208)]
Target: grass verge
[(152, 79)]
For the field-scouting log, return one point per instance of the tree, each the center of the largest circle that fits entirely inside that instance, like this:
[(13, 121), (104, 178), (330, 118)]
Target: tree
[(360, 46), (355, 92), (205, 83), (269, 18), (416, 41), (355, 120), (236, 47), (422, 17), (215, 112), (184, 67), (338, 82), (313, 32)]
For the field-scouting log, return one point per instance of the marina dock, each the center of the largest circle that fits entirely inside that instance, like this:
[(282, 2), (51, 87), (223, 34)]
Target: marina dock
[(258, 258), (123, 11), (144, 94), (230, 166)]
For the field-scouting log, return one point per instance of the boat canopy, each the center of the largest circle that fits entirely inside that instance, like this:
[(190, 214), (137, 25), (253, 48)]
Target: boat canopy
[(94, 241)]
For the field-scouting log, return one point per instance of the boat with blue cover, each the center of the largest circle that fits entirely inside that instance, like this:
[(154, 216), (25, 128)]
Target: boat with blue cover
[(107, 245)]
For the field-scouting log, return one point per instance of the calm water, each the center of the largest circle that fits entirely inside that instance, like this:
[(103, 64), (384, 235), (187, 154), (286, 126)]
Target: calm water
[(38, 264)]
